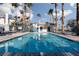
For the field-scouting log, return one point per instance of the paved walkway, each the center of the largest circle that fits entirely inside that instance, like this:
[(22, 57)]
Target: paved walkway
[(75, 38), (7, 37)]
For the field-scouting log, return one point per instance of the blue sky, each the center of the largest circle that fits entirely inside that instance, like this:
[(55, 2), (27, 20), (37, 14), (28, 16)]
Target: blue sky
[(42, 8)]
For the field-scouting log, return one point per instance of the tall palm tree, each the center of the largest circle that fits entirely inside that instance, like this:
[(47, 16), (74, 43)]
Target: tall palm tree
[(77, 18), (29, 5), (62, 17), (29, 22), (50, 13), (26, 23), (24, 17), (56, 17), (15, 26), (15, 5)]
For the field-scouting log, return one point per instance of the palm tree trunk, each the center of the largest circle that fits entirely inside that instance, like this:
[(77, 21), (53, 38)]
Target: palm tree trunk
[(77, 19), (14, 24), (24, 18), (56, 17), (24, 22), (62, 17)]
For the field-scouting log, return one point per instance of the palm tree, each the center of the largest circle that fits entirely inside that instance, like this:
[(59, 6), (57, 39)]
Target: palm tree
[(52, 24), (62, 17), (56, 17), (15, 5), (50, 14), (29, 22), (15, 26), (29, 5), (77, 18), (25, 18)]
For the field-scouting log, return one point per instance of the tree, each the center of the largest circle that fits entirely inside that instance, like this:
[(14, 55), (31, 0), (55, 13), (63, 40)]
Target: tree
[(29, 4), (56, 17), (52, 24), (62, 17), (23, 12), (26, 21), (50, 14), (15, 18), (15, 5), (77, 19), (71, 25)]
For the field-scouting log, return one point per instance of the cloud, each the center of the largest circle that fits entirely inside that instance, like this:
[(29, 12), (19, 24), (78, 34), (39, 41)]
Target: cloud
[(45, 14), (66, 13), (73, 5), (6, 8), (31, 15)]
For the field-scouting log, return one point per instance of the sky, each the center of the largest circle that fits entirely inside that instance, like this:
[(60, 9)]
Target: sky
[(43, 8)]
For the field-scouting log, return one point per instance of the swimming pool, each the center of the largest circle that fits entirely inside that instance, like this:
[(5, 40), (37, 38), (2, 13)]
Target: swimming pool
[(47, 44)]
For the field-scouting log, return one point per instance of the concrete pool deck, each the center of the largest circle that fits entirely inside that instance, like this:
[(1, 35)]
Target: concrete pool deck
[(10, 36), (7, 37), (71, 37)]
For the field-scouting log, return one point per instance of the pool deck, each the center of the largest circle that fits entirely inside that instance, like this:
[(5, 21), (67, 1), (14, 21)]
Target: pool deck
[(13, 35), (7, 37), (74, 38)]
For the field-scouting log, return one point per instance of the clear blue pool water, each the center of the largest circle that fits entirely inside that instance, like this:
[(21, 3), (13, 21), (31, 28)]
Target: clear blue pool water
[(47, 43)]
